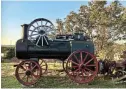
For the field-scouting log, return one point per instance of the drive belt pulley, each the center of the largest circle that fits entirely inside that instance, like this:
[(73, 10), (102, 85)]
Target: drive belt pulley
[(39, 31)]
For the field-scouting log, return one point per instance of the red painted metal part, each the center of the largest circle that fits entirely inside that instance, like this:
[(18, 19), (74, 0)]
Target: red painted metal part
[(81, 66), (43, 65), (28, 72)]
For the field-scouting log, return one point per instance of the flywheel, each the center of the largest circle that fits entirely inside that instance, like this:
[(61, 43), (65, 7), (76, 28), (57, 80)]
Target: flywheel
[(40, 31)]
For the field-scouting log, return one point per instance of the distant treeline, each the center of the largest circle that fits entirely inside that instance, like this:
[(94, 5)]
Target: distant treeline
[(7, 52)]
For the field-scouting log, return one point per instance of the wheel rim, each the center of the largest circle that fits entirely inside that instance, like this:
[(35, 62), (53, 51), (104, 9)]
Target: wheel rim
[(28, 72), (39, 31), (43, 65), (82, 67)]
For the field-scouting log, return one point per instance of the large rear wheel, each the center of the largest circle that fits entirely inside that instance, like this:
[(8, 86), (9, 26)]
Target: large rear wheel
[(81, 66)]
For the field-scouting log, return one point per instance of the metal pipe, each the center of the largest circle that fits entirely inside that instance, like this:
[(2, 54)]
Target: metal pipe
[(24, 31)]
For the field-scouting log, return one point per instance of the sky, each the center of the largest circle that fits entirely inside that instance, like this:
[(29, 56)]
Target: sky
[(16, 13)]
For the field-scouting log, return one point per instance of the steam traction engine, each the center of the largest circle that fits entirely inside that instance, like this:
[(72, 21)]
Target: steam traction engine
[(40, 42)]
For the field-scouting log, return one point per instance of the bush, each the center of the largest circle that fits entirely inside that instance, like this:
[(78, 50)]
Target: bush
[(9, 53)]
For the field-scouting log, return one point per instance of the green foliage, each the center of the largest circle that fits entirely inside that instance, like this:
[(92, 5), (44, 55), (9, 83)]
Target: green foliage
[(4, 49), (59, 26), (103, 23), (9, 52)]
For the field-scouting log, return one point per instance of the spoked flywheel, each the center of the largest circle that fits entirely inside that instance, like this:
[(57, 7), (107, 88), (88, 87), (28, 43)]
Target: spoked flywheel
[(28, 72), (81, 67), (39, 31)]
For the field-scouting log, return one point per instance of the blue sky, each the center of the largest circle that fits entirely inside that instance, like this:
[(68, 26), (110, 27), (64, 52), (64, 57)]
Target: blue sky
[(16, 13)]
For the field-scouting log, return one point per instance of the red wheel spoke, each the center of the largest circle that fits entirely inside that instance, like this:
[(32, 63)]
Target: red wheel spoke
[(37, 72), (82, 72), (21, 73), (77, 74), (27, 78), (76, 58), (36, 76), (33, 67), (85, 58), (90, 65), (32, 78), (23, 77), (85, 75), (30, 65), (22, 67), (89, 70), (86, 72), (74, 62), (88, 61), (74, 66), (76, 70), (25, 66), (81, 57)]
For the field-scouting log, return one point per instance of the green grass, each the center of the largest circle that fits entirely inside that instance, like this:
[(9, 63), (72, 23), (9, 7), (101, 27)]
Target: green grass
[(59, 82), (8, 80)]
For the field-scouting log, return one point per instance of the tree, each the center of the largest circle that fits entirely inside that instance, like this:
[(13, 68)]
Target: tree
[(60, 27), (103, 23), (10, 53)]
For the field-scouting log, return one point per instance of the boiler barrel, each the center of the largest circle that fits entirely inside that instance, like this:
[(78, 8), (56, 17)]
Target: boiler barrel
[(26, 50), (55, 53), (57, 49)]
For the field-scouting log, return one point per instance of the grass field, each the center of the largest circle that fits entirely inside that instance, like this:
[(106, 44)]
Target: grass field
[(8, 80)]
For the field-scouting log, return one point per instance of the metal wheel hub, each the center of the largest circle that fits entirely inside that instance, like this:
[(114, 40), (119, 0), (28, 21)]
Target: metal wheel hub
[(28, 72), (41, 32), (81, 66)]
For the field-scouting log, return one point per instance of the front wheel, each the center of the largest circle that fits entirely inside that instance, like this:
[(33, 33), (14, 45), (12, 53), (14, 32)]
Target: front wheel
[(28, 72)]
